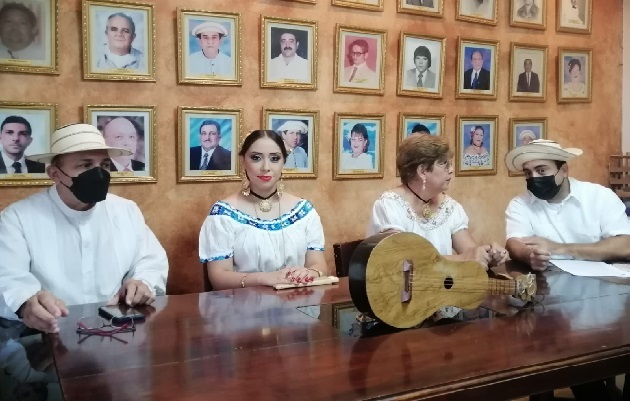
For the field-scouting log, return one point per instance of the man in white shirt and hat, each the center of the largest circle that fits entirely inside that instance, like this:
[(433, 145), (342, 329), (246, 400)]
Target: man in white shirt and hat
[(288, 65), (210, 60), (118, 53), (292, 132), (74, 243), (561, 217)]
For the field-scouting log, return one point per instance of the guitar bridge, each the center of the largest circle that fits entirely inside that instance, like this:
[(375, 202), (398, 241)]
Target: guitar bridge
[(407, 269)]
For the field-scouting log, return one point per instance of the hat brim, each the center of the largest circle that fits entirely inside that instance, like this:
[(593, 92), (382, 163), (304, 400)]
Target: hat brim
[(47, 157), (520, 155)]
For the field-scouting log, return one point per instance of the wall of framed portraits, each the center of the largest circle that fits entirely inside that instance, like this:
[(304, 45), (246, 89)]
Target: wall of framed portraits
[(497, 74)]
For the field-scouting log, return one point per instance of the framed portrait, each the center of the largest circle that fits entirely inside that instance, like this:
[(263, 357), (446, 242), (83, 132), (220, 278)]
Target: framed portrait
[(476, 145), (300, 131), (528, 72), (118, 40), (129, 127), (208, 141), (288, 54), (479, 11), (369, 5), (421, 65), (358, 146), (525, 130), (209, 47), (411, 123), (574, 16), (25, 129), (477, 69), (530, 14), (574, 75), (360, 60), (28, 36), (430, 8)]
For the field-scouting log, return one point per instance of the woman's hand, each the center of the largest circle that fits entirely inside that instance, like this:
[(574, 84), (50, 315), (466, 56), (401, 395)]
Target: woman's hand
[(480, 254), (498, 254), (300, 275)]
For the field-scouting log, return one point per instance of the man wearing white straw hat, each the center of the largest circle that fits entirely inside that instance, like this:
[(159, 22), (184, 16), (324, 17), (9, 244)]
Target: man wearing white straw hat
[(561, 217), (292, 132), (74, 243), (210, 60)]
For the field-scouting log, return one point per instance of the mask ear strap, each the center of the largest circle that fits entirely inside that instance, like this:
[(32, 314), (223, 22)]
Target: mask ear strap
[(64, 173)]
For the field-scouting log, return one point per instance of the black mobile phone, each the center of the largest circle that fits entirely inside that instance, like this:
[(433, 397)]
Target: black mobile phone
[(120, 313)]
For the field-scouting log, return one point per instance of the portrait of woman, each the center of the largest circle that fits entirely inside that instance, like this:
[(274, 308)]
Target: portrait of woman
[(476, 154), (525, 137), (261, 235), (357, 158), (421, 206), (575, 87)]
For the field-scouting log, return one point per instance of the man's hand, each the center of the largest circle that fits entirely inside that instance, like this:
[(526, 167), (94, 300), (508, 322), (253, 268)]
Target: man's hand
[(498, 254), (133, 292), (42, 310), (541, 250)]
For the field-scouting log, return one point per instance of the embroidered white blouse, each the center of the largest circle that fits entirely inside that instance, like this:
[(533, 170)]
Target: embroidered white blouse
[(392, 212), (258, 245)]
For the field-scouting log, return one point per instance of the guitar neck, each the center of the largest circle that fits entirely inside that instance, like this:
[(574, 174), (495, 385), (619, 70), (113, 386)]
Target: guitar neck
[(501, 287)]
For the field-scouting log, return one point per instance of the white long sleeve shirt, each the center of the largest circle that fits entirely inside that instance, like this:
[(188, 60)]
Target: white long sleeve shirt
[(79, 256)]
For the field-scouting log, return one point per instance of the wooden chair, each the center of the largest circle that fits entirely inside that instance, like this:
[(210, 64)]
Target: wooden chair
[(343, 252), (207, 285), (619, 170)]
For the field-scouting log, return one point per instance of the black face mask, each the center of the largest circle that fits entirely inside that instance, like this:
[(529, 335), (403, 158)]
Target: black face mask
[(90, 186), (544, 188)]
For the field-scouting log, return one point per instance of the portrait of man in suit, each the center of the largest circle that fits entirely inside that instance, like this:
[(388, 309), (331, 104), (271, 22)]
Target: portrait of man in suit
[(528, 11), (210, 155), (15, 137), (121, 132), (528, 80), (358, 72), (420, 76), (477, 77)]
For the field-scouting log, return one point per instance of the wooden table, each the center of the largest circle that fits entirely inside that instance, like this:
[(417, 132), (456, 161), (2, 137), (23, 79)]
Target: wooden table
[(254, 344)]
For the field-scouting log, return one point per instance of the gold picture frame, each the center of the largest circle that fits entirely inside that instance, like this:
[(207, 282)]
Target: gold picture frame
[(533, 18), (299, 34), (369, 5), (575, 75), (303, 1), (528, 86), (574, 20), (357, 46), (435, 9), (470, 53), (190, 57), (40, 56), (482, 14), (302, 127), (415, 48), (208, 125), (474, 159), (34, 124), (369, 130), (412, 123), (137, 22), (523, 131), (133, 128)]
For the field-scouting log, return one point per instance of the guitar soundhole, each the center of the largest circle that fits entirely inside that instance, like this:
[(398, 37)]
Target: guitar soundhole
[(448, 283)]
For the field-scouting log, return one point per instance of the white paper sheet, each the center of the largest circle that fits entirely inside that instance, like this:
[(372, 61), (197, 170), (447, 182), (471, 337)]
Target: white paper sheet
[(590, 269)]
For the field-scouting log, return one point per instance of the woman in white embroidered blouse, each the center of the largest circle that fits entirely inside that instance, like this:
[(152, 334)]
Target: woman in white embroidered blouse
[(419, 204), (261, 235)]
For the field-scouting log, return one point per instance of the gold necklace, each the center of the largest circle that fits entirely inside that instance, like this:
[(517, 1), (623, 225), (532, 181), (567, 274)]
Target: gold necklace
[(427, 213), (264, 205)]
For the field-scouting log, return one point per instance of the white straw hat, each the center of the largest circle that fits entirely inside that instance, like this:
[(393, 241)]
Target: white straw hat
[(293, 126), (539, 149), (77, 138), (209, 27)]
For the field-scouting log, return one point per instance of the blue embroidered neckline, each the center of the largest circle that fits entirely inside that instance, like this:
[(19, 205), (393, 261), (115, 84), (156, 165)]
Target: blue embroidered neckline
[(299, 211)]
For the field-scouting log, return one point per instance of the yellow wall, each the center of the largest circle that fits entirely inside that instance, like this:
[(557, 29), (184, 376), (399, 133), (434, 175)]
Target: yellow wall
[(176, 211)]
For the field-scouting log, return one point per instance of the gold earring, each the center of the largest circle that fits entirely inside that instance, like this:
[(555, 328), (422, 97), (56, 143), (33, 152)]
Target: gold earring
[(245, 185), (280, 188)]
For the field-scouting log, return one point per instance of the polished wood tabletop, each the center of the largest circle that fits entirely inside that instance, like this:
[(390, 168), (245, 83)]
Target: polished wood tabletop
[(261, 344)]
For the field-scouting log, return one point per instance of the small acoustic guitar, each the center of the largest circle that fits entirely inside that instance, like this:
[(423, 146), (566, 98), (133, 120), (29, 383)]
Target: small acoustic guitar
[(401, 279)]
